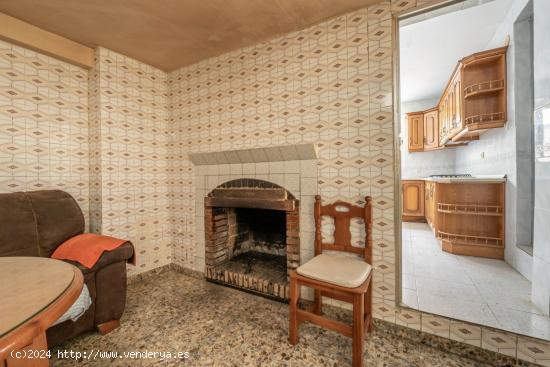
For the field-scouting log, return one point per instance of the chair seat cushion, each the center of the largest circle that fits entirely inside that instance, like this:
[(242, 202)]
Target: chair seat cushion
[(341, 270)]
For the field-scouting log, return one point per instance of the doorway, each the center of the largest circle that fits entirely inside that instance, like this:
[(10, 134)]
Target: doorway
[(467, 204)]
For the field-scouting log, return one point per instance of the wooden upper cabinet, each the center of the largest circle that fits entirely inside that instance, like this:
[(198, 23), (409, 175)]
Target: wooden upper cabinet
[(454, 101), (442, 127), (473, 102), (483, 104), (416, 132), (449, 106), (431, 130), (458, 101)]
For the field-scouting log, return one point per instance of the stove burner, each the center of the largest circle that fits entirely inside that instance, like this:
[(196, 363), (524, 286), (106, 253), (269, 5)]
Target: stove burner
[(451, 176)]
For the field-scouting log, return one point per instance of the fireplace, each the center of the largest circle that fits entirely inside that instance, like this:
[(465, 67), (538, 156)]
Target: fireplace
[(252, 236)]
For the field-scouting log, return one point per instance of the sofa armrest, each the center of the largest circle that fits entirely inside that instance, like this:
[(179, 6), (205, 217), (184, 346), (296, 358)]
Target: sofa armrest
[(121, 253)]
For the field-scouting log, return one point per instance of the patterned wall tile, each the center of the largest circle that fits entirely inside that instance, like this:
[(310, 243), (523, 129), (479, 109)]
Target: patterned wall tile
[(423, 3), (466, 333), (130, 163), (532, 350), (409, 318), (43, 124), (380, 11), (383, 309), (436, 325), (499, 341), (398, 6)]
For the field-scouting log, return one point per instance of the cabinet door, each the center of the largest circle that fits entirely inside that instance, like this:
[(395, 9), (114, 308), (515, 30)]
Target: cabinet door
[(413, 198), (442, 132), (433, 206), (448, 126), (444, 119), (431, 130), (427, 211), (452, 108), (416, 133), (458, 103)]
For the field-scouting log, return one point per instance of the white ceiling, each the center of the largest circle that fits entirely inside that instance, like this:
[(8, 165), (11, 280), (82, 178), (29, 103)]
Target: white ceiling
[(431, 46)]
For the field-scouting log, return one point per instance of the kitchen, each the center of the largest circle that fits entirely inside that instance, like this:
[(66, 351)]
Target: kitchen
[(467, 166)]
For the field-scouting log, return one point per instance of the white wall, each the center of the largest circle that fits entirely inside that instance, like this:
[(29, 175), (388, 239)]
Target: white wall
[(541, 247), (496, 152), (422, 164)]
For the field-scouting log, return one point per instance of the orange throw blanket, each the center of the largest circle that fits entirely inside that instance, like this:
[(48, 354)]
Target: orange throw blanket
[(87, 248)]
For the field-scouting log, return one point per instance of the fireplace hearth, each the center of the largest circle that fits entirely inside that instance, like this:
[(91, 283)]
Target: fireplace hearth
[(252, 236), (258, 264)]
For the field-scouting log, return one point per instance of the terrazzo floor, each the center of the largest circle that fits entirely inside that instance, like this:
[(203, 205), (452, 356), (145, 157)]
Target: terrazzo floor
[(220, 326)]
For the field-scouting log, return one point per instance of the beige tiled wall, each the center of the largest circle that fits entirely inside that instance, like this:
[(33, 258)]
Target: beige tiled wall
[(312, 86), (100, 135), (128, 133), (43, 124), (331, 85)]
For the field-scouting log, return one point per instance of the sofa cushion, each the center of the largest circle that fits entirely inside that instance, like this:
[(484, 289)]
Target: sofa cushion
[(18, 236), (58, 218)]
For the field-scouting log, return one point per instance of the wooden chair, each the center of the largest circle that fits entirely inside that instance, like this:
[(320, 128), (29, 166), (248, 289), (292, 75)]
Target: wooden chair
[(337, 276)]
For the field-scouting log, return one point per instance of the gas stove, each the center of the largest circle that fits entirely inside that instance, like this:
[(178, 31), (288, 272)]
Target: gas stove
[(451, 176)]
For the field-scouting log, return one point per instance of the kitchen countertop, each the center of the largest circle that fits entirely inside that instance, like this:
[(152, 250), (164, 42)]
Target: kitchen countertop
[(473, 179)]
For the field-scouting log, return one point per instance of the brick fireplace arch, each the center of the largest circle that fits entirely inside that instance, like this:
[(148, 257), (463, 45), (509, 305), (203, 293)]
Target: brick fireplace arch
[(252, 236)]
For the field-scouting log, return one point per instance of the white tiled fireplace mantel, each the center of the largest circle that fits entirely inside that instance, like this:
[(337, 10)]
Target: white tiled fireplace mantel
[(299, 177), (258, 155)]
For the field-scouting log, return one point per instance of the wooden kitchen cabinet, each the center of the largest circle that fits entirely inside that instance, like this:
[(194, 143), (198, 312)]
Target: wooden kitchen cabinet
[(413, 200), (430, 203), (483, 77), (451, 108), (431, 129), (473, 102), (416, 132), (468, 218)]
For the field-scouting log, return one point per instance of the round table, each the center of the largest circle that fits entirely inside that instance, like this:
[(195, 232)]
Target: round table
[(34, 293)]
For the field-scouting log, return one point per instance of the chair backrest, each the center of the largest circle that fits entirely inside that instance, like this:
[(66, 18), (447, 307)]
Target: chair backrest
[(342, 213)]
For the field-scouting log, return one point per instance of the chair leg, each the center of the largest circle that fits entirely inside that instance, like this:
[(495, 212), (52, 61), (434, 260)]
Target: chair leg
[(368, 306), (317, 302), (358, 332), (293, 304)]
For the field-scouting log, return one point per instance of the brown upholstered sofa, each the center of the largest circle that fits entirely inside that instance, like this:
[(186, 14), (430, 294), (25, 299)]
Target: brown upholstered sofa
[(35, 224)]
